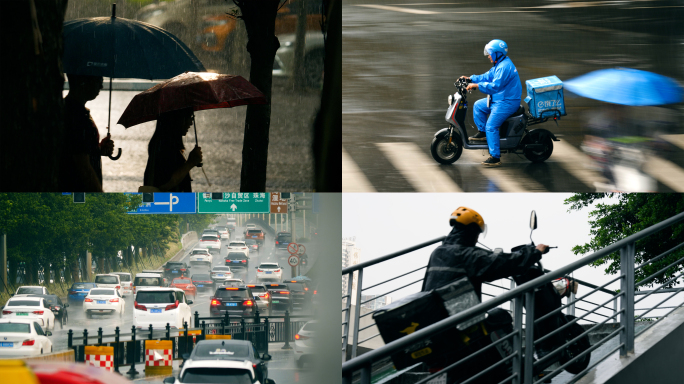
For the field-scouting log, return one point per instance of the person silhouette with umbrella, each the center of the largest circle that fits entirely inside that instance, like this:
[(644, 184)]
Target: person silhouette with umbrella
[(81, 165), (167, 168)]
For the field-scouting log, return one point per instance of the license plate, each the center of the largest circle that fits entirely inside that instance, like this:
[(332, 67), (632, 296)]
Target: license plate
[(236, 261), (174, 271), (8, 345), (275, 302), (231, 304), (199, 259), (268, 272), (22, 313), (101, 301), (220, 275), (200, 286), (155, 310)]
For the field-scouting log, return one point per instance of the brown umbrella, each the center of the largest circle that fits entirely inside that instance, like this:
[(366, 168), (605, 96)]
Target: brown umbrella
[(199, 90)]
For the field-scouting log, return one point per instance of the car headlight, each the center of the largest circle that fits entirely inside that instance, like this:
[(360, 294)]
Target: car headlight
[(450, 99), (157, 12)]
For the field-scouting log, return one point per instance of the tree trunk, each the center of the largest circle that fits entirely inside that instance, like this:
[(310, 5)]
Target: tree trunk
[(259, 18), (32, 126), (73, 266), (101, 264), (327, 145), (299, 82)]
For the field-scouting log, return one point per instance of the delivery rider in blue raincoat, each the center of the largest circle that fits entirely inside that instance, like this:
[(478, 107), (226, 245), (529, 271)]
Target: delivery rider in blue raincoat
[(503, 87)]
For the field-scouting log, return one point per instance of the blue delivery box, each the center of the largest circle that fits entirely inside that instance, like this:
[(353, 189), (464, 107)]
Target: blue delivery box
[(545, 97)]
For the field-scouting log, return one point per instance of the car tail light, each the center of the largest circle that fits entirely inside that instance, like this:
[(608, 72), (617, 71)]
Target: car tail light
[(118, 287), (244, 261), (215, 302), (167, 269), (114, 300), (300, 337), (140, 307), (183, 269), (87, 300), (232, 289), (306, 289), (38, 312), (251, 286), (284, 292), (57, 307), (172, 306), (6, 312), (259, 270), (277, 270), (277, 242), (72, 292), (29, 342), (254, 366), (265, 296), (248, 303), (315, 292)]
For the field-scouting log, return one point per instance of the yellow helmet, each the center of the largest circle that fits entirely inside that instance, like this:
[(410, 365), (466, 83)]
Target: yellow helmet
[(466, 216)]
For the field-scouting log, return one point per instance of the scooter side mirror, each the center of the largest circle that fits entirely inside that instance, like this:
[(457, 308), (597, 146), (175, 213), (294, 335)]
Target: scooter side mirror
[(533, 220)]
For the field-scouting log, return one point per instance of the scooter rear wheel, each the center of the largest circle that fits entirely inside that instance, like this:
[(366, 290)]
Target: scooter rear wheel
[(576, 348), (536, 155), (444, 153)]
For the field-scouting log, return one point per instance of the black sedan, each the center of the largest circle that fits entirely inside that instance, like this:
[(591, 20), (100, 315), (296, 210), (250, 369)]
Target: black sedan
[(174, 269), (57, 307), (241, 350), (203, 282)]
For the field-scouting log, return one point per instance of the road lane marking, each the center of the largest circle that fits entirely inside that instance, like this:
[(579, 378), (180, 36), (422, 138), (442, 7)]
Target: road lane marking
[(677, 140), (421, 171), (666, 172), (398, 9), (574, 161), (353, 179), (506, 182)]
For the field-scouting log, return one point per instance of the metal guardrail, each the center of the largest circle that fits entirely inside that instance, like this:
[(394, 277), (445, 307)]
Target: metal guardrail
[(623, 305)]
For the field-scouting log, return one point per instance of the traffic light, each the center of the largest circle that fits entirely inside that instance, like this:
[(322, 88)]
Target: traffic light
[(148, 197), (79, 197)]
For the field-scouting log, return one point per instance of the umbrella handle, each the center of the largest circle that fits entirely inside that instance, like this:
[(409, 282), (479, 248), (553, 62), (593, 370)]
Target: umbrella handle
[(117, 156)]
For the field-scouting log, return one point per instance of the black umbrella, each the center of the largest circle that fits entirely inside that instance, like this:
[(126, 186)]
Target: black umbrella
[(122, 48)]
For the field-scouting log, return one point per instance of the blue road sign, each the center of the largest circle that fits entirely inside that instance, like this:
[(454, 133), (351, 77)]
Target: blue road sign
[(169, 203)]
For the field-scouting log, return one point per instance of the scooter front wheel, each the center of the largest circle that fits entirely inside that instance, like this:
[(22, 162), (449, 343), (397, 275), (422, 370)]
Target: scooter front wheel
[(575, 348), (443, 152)]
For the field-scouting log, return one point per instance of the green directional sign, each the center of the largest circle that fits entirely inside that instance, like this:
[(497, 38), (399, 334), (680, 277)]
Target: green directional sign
[(234, 202)]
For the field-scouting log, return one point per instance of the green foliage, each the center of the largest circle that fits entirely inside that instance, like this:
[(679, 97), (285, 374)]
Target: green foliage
[(48, 231), (626, 214)]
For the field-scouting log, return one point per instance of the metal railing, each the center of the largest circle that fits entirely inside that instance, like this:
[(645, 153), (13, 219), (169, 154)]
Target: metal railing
[(523, 365)]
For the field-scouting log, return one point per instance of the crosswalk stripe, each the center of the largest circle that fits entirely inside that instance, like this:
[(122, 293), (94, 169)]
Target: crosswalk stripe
[(421, 171), (353, 180), (666, 172), (502, 178), (575, 161), (677, 140)]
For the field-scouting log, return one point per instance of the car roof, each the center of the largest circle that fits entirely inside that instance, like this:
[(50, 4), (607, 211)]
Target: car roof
[(239, 364), (148, 274), (269, 264), (237, 241), (120, 273), (31, 286), (201, 249), (104, 274), (24, 297), (18, 320), (164, 289)]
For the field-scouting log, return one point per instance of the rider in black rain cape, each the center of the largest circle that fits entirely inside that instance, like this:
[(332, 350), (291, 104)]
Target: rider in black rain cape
[(458, 256)]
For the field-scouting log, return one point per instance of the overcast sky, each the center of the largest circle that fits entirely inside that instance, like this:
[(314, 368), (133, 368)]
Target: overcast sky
[(387, 222)]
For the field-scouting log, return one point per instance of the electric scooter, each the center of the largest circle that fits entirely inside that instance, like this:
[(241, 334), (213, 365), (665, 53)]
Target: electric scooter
[(514, 137)]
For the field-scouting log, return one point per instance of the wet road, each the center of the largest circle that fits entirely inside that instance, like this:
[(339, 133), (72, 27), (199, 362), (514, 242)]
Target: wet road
[(220, 134), (401, 57), (282, 368)]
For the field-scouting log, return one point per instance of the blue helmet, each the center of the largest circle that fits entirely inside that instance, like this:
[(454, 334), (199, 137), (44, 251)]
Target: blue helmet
[(497, 49)]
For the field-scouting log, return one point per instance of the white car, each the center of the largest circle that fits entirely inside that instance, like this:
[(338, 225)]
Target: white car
[(101, 301), (216, 371), (269, 271), (248, 227), (109, 281), (225, 235), (220, 274), (147, 280), (260, 294), (32, 290), (305, 341), (33, 308), (211, 242), (126, 283), (238, 246), (161, 306), (201, 255), (233, 282), (23, 337)]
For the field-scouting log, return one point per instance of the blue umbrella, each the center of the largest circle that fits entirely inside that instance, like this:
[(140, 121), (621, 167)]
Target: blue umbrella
[(627, 86), (122, 48)]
